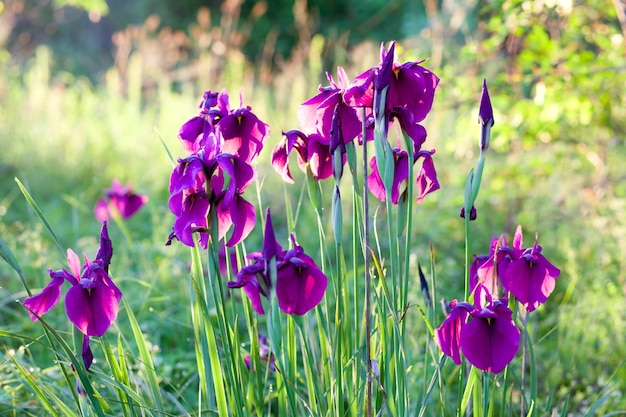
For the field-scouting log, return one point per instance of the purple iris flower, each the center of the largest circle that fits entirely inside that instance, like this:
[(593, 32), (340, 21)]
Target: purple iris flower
[(529, 276), (411, 86), (243, 133), (189, 201), (489, 340), (92, 303), (211, 178), (300, 284), (121, 199), (316, 114), (311, 149), (223, 143)]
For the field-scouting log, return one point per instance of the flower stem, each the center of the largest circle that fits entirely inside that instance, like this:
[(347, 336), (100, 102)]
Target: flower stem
[(368, 294)]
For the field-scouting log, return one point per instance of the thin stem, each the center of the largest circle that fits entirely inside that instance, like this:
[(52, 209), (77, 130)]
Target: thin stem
[(467, 254), (523, 380), (368, 294)]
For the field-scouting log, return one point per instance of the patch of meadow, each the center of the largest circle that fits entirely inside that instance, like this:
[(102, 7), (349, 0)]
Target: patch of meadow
[(66, 140)]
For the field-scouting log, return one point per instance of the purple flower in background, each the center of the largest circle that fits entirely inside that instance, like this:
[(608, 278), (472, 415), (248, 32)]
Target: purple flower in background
[(529, 276), (121, 199), (92, 303), (311, 149), (265, 354), (489, 340), (227, 257), (300, 284)]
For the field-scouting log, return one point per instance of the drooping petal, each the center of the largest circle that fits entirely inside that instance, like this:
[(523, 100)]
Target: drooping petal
[(194, 210), (280, 161), (375, 182), (243, 217), (320, 159), (247, 279), (531, 282), (350, 123), (307, 111), (427, 177), (41, 303), (185, 174), (400, 174), (254, 295), (92, 310), (448, 335), (300, 285), (414, 130)]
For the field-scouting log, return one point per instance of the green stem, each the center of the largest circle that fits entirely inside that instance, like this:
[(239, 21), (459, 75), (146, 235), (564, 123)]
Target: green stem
[(368, 284)]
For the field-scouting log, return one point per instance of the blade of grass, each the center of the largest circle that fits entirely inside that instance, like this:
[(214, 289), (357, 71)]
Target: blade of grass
[(38, 389), (40, 214), (146, 359), (7, 255)]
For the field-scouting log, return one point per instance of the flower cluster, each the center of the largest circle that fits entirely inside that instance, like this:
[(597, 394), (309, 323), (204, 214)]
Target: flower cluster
[(335, 116), (120, 199), (490, 339), (222, 143), (292, 275), (92, 303)]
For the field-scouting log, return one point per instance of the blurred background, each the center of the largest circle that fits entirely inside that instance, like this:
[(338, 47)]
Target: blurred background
[(93, 90)]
